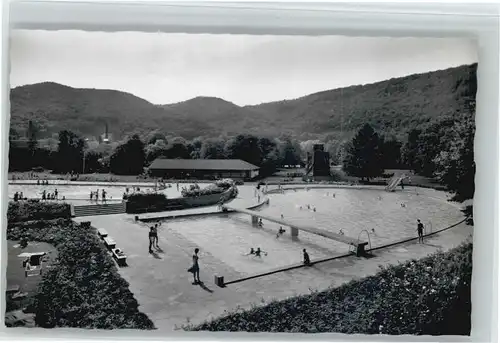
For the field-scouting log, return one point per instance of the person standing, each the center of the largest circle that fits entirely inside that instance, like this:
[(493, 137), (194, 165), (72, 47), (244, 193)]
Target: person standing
[(195, 269), (155, 242), (307, 260), (420, 230), (151, 239)]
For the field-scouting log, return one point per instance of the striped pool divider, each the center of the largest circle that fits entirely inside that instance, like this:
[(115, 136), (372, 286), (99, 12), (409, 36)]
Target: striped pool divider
[(187, 215), (219, 280)]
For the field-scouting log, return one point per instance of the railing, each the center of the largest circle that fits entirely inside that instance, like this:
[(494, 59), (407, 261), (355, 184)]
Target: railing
[(352, 248)]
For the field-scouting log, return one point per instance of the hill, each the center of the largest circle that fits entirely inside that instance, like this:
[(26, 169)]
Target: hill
[(54, 107), (393, 106)]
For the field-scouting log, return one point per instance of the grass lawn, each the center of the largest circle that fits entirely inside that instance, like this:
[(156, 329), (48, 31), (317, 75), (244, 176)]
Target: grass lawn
[(83, 289)]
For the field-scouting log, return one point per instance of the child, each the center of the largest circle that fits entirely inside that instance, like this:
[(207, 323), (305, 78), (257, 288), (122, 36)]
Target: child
[(258, 251), (280, 232)]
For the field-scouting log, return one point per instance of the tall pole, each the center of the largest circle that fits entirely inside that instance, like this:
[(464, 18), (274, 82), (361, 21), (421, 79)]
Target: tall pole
[(86, 140), (341, 124)]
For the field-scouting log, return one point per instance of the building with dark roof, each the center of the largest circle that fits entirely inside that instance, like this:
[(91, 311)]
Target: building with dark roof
[(203, 169)]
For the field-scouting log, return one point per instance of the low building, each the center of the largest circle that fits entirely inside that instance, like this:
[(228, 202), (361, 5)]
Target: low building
[(203, 169)]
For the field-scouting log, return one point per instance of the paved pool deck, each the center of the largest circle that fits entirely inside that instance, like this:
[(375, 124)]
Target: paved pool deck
[(162, 285)]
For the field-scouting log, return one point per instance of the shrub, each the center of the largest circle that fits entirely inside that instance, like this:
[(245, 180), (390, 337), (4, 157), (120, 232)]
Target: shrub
[(224, 183), (146, 202), (217, 187), (83, 289), (211, 189), (430, 296), (19, 211)]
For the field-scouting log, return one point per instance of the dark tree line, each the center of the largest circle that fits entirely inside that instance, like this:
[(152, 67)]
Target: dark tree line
[(133, 155)]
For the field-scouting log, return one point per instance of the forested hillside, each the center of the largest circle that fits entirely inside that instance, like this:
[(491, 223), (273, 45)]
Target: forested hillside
[(393, 106)]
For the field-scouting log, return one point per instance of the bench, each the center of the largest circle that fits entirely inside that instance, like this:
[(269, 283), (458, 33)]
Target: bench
[(119, 256), (109, 242), (102, 233), (12, 289)]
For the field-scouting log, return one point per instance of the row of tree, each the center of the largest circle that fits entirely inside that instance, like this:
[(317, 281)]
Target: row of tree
[(444, 150), (130, 157), (73, 154)]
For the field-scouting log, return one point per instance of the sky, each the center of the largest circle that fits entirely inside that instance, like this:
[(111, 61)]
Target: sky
[(166, 68)]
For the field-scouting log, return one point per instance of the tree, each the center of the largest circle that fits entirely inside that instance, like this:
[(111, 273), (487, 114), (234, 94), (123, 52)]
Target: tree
[(364, 155), (32, 143), (177, 148), (391, 152), (410, 149), (69, 153), (155, 136), (128, 158), (213, 149), (153, 151), (244, 147), (333, 147), (92, 164), (455, 166), (195, 148), (290, 153), (426, 145), (13, 135), (270, 156)]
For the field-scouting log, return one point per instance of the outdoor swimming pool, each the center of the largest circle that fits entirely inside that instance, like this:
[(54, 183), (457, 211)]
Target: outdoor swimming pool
[(229, 237), (80, 194)]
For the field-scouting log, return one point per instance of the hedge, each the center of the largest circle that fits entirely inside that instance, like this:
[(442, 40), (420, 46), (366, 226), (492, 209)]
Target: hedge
[(83, 288), (430, 296), (147, 202), (19, 211), (218, 187)]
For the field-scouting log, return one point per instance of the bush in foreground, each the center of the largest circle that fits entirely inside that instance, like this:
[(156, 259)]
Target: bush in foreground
[(430, 296), (83, 289), (19, 211)]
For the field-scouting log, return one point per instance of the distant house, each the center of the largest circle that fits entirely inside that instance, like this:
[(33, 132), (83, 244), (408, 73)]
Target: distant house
[(203, 169)]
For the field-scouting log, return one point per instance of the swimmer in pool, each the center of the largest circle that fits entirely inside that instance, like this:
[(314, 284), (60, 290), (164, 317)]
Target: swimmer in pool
[(280, 232)]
